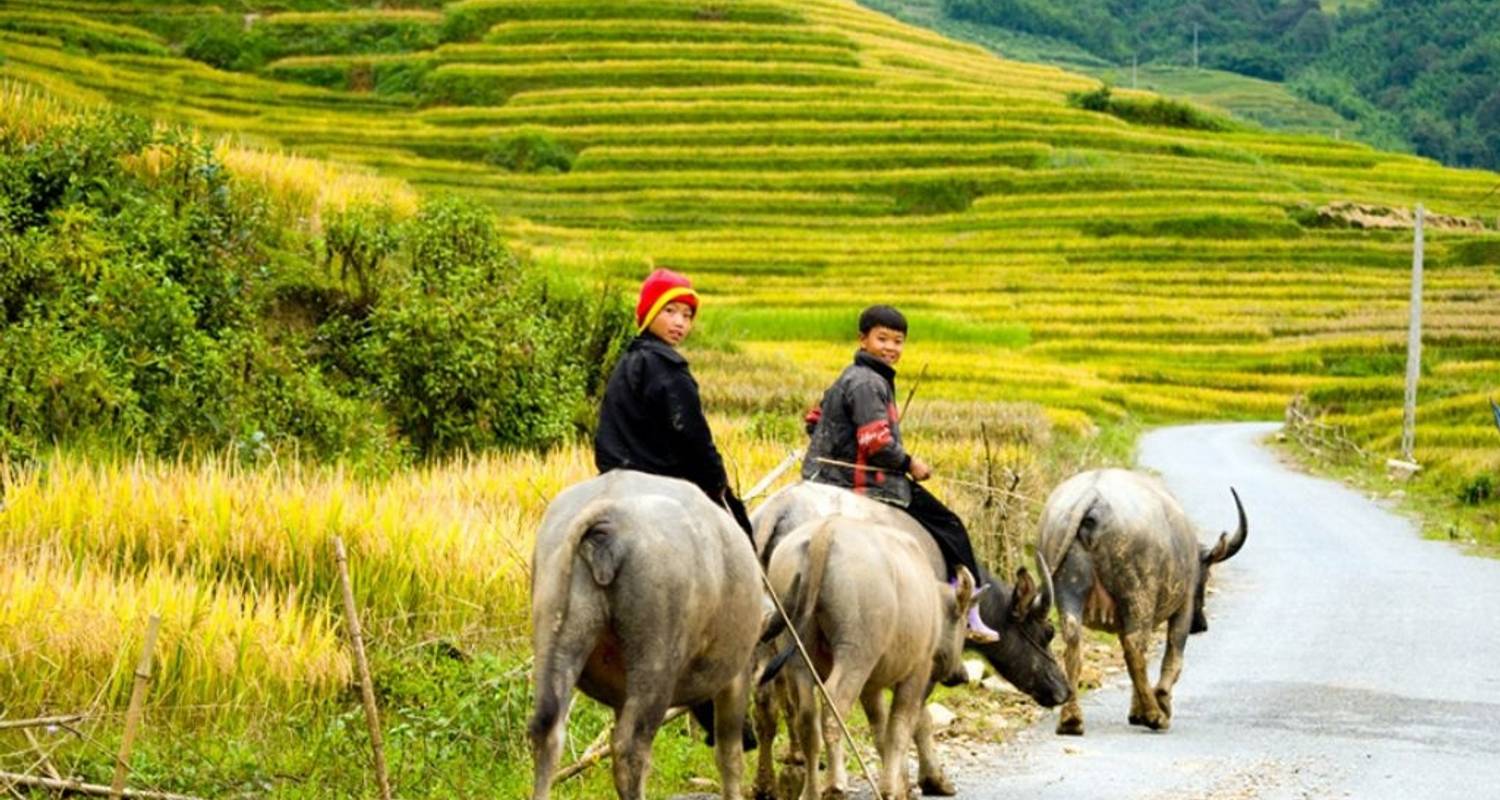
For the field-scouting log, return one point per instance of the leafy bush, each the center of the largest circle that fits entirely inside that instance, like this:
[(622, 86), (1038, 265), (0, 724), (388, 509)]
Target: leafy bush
[(1149, 111), (151, 303), (941, 196), (530, 150)]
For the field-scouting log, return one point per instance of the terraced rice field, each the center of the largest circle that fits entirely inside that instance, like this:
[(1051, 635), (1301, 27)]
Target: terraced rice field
[(803, 159), (811, 157)]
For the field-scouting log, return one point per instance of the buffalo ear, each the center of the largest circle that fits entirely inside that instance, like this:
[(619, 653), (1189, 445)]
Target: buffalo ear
[(1023, 595), (964, 592)]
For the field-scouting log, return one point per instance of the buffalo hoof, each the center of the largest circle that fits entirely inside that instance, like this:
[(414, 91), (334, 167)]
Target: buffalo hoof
[(764, 794), (938, 786), (1070, 726), (1164, 701), (1137, 719)]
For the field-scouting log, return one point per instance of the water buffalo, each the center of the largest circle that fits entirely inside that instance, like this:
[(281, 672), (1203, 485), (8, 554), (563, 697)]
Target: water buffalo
[(1019, 613), (633, 578), (1127, 560), (873, 617)]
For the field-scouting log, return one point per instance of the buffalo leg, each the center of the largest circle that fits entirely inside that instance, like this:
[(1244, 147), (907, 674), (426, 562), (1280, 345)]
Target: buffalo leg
[(906, 707), (785, 699), (806, 702), (843, 689), (765, 731), (1136, 641), (1072, 581), (557, 674), (930, 777), (635, 729), (1178, 628), (872, 700), (729, 721), (546, 748)]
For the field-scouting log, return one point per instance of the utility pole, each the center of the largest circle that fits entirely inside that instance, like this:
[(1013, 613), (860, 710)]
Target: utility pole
[(1413, 348), (1195, 45)]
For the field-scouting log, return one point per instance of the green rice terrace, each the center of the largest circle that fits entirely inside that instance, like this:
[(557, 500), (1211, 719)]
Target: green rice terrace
[(1100, 261)]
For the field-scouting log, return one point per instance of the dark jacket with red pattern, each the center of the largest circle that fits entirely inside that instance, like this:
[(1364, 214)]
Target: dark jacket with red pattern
[(857, 423)]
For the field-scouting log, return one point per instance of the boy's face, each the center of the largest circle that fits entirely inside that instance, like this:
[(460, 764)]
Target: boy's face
[(674, 323), (883, 343)]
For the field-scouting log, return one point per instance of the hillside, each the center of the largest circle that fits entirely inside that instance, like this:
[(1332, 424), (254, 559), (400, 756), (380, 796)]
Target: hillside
[(810, 157), (1406, 75)]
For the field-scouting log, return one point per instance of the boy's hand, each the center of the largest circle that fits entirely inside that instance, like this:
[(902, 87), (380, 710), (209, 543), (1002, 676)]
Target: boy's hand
[(919, 469)]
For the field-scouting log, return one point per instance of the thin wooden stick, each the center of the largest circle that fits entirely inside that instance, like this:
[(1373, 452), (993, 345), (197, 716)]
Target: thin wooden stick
[(42, 754), (598, 749), (367, 691), (40, 722), (79, 787), (137, 703)]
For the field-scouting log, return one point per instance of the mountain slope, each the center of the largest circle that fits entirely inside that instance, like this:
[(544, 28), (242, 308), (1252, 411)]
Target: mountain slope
[(802, 159)]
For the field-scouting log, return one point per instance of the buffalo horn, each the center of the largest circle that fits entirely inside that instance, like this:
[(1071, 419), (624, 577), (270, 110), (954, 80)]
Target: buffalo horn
[(1044, 598), (1238, 541)]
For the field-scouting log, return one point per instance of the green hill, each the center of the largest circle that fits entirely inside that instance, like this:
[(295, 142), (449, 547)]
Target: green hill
[(810, 157), (1417, 76)]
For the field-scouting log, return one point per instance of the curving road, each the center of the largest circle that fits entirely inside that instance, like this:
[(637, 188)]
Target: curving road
[(1346, 657)]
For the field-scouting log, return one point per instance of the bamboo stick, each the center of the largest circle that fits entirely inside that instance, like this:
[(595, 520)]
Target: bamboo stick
[(40, 722), (8, 779), (367, 690), (137, 704)]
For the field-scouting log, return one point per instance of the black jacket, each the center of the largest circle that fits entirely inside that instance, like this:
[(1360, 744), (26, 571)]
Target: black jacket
[(857, 423), (652, 420)]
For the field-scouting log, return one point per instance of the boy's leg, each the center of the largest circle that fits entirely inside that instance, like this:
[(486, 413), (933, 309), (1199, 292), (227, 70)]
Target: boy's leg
[(737, 510), (953, 540), (947, 530)]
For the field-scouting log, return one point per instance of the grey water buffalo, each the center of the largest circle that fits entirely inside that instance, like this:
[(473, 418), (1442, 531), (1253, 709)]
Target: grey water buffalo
[(1018, 612), (633, 579), (873, 617), (1127, 560)]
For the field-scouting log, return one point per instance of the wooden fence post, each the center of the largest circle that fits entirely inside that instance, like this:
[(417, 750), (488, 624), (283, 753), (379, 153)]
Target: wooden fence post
[(137, 703), (1413, 348), (367, 691)]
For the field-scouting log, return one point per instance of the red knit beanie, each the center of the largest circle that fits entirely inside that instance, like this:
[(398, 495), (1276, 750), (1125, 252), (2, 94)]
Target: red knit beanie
[(661, 287)]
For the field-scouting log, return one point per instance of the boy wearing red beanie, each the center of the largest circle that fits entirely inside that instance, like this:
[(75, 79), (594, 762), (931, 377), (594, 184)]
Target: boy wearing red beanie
[(651, 419)]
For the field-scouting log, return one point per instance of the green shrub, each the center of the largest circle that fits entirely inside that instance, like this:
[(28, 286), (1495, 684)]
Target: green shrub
[(1475, 252), (1476, 490), (941, 196), (163, 310), (1149, 111), (530, 150)]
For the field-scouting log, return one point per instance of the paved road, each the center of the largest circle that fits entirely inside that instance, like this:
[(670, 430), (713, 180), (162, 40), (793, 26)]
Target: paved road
[(1346, 657)]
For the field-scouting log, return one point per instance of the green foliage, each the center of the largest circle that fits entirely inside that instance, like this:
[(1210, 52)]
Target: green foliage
[(163, 310), (530, 150), (1477, 490), (1148, 111), (1475, 252), (1410, 75), (939, 196)]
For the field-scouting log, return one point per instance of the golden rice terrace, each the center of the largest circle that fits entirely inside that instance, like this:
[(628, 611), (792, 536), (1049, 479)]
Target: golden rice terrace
[(800, 159)]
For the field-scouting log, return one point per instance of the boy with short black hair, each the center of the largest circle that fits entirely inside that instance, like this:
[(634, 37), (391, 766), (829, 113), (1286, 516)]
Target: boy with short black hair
[(856, 444)]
